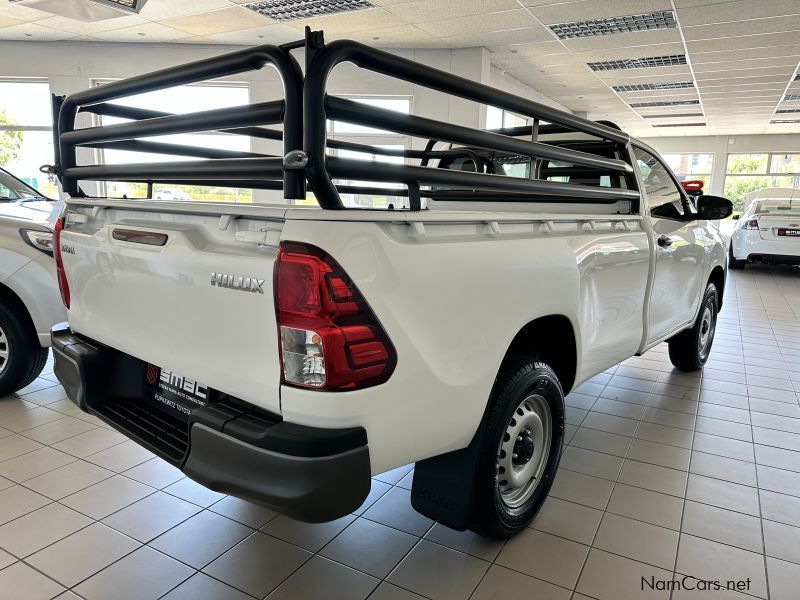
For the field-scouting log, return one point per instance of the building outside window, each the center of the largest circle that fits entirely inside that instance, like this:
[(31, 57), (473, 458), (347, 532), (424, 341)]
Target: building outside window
[(498, 118), (688, 166), (26, 132), (749, 172)]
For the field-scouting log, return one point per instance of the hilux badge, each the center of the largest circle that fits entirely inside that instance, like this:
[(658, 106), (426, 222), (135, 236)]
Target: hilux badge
[(246, 284)]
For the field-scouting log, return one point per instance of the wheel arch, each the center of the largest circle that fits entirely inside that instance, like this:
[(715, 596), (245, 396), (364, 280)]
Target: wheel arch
[(717, 277), (550, 339), (10, 296)]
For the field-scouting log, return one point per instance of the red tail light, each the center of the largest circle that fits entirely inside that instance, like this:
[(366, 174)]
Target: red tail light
[(329, 337), (751, 224), (63, 285)]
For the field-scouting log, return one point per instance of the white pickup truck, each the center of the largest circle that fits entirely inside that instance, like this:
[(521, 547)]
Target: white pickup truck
[(285, 353)]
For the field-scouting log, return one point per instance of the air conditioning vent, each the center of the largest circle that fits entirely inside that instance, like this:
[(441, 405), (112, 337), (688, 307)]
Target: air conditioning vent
[(85, 10), (638, 63), (784, 111), (664, 103), (673, 116), (790, 97), (680, 125), (784, 121), (291, 10), (648, 87), (610, 25)]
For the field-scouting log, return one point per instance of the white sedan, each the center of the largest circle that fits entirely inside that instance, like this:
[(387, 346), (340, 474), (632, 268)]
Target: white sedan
[(768, 230)]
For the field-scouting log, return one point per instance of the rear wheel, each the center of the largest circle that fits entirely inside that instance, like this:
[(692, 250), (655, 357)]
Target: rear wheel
[(520, 447), (735, 263), (21, 356), (689, 350)]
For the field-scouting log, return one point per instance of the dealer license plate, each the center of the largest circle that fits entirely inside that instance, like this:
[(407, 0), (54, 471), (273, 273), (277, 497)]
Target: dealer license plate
[(173, 393), (789, 232)]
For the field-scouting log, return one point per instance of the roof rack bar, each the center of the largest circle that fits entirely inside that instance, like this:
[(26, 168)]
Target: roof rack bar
[(368, 171), (209, 170), (355, 112), (173, 149)]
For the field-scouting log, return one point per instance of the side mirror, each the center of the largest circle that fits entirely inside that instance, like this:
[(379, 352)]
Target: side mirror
[(711, 208)]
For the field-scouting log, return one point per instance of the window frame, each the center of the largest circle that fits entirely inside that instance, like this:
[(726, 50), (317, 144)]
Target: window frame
[(689, 209)]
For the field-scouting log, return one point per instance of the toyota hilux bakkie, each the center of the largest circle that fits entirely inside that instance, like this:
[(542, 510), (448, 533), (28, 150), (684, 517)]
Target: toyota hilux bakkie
[(285, 353)]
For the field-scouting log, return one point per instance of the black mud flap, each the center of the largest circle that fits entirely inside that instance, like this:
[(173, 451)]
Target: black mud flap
[(443, 486)]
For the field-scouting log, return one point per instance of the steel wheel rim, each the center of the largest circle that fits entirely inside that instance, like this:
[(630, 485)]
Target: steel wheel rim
[(707, 326), (5, 350), (524, 451)]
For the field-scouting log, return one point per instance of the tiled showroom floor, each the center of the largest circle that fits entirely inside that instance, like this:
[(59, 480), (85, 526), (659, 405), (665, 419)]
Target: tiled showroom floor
[(664, 473)]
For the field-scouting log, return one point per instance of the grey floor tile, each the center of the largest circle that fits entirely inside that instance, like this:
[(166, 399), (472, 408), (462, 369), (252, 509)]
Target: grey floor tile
[(245, 512), (6, 559), (780, 507), (201, 539), (387, 591), (394, 509), (376, 491), (193, 492), (91, 442), (646, 505), (57, 431), (15, 445), (40, 528), (322, 579), (258, 565), (465, 541), (16, 501), (156, 473), (544, 556), (395, 475), (783, 578), (142, 575), (202, 587), (663, 434), (28, 419), (727, 429), (620, 409), (582, 489), (568, 520), (68, 479), (601, 441), (662, 455), (779, 480), (107, 497), (654, 478), (640, 541), (724, 526), (721, 467), (311, 536), (501, 583), (778, 457), (724, 494), (610, 423), (610, 577), (89, 551), (439, 573), (711, 560), (151, 516), (730, 448), (120, 457), (589, 462), (782, 541), (33, 464), (27, 583), (370, 547)]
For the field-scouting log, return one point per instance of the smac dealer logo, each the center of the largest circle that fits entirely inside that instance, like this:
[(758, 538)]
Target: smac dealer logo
[(690, 583)]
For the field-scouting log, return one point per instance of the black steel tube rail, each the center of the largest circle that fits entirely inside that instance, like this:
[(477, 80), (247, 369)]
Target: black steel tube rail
[(208, 170), (172, 149), (367, 171), (321, 60), (355, 112), (211, 68), (267, 113)]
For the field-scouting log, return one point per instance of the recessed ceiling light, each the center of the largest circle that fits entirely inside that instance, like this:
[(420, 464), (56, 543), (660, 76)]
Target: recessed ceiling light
[(784, 121), (648, 87), (94, 10), (672, 116), (680, 125), (638, 63), (664, 103), (791, 97), (290, 10), (787, 110), (664, 19)]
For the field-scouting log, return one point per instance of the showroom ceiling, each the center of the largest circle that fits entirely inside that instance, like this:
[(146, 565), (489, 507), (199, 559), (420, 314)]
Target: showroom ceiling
[(657, 67)]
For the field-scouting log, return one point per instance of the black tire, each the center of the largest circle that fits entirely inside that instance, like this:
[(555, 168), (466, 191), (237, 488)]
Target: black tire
[(519, 381), (26, 357), (689, 350), (735, 263)]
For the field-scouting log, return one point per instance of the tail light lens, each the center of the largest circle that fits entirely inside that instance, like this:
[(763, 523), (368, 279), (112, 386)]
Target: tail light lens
[(751, 224), (329, 337), (63, 285)]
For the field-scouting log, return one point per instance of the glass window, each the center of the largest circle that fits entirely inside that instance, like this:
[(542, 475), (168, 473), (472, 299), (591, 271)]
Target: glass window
[(181, 99), (746, 173), (369, 200), (401, 105), (663, 196), (497, 118), (26, 137), (688, 166)]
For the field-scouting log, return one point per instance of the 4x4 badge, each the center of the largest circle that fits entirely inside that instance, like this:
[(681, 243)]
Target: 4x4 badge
[(246, 284)]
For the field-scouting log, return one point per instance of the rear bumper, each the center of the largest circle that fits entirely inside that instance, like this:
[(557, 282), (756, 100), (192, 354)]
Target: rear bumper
[(307, 473), (774, 259)]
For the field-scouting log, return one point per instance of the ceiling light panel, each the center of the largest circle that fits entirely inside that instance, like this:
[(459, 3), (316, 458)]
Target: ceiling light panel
[(665, 103), (292, 10), (638, 63), (783, 121), (611, 25), (680, 125), (673, 116), (649, 87), (784, 111), (790, 97)]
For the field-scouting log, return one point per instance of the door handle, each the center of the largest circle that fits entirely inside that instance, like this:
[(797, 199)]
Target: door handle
[(664, 241)]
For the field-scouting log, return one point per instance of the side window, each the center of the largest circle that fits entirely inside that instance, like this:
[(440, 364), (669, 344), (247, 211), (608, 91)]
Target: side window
[(663, 195)]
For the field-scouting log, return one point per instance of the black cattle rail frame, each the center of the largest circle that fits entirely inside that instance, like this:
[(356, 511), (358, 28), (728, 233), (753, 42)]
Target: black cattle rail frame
[(304, 113)]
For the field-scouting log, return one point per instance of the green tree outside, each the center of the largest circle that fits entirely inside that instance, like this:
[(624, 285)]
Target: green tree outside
[(10, 141)]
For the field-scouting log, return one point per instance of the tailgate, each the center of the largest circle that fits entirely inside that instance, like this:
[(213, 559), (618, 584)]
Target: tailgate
[(779, 227), (200, 305)]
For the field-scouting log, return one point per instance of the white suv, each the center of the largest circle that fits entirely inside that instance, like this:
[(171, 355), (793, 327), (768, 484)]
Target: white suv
[(768, 230), (29, 299)]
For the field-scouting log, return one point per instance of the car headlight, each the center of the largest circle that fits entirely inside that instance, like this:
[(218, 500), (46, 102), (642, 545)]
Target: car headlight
[(41, 240)]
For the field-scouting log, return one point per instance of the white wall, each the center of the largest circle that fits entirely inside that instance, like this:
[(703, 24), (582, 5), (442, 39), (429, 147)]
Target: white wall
[(721, 145)]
